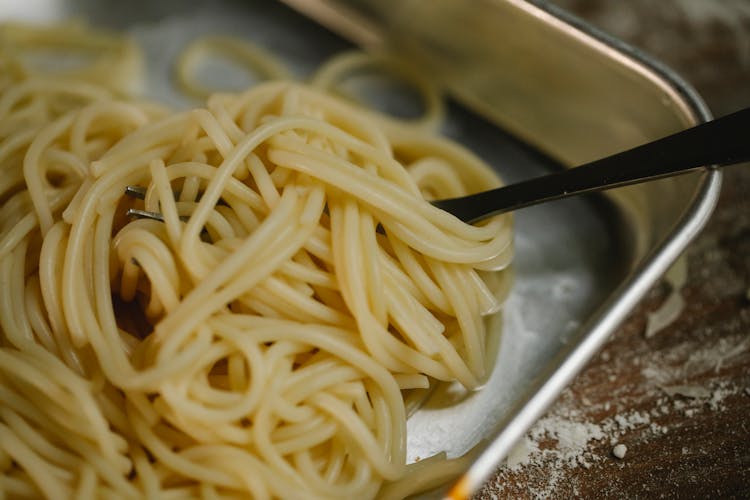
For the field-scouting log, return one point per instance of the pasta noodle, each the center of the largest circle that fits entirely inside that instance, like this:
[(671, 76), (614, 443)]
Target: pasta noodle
[(336, 70), (243, 54), (259, 339)]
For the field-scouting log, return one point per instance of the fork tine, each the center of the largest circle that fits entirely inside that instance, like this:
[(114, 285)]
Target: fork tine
[(144, 214), (136, 213), (136, 192)]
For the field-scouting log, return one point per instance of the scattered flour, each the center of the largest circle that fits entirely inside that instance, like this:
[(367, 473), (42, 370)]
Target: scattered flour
[(576, 432), (560, 442), (521, 452), (571, 438)]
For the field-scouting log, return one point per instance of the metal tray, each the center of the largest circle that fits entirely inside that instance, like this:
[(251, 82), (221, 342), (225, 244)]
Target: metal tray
[(534, 90)]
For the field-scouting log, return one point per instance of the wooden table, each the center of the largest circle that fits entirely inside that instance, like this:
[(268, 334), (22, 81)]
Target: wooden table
[(680, 400)]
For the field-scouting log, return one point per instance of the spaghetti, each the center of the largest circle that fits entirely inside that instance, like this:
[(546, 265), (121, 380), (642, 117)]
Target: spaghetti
[(259, 341)]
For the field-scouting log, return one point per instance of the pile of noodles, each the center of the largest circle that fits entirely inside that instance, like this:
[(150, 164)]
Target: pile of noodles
[(256, 331)]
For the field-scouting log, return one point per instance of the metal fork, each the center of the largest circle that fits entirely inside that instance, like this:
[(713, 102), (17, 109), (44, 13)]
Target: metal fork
[(719, 142)]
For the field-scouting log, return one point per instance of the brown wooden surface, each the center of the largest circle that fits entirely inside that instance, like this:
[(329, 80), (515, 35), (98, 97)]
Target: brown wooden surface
[(690, 445)]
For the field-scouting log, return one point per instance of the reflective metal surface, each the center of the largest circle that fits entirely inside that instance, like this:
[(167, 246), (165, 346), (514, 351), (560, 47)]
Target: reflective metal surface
[(528, 79), (577, 95)]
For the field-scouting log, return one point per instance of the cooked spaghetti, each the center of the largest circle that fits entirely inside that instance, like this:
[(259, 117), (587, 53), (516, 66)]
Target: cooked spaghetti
[(256, 340)]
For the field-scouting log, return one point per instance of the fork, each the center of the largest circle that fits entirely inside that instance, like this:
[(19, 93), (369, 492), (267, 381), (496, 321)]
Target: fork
[(720, 142)]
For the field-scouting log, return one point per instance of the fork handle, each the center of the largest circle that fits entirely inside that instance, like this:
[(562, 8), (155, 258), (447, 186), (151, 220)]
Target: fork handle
[(723, 141)]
